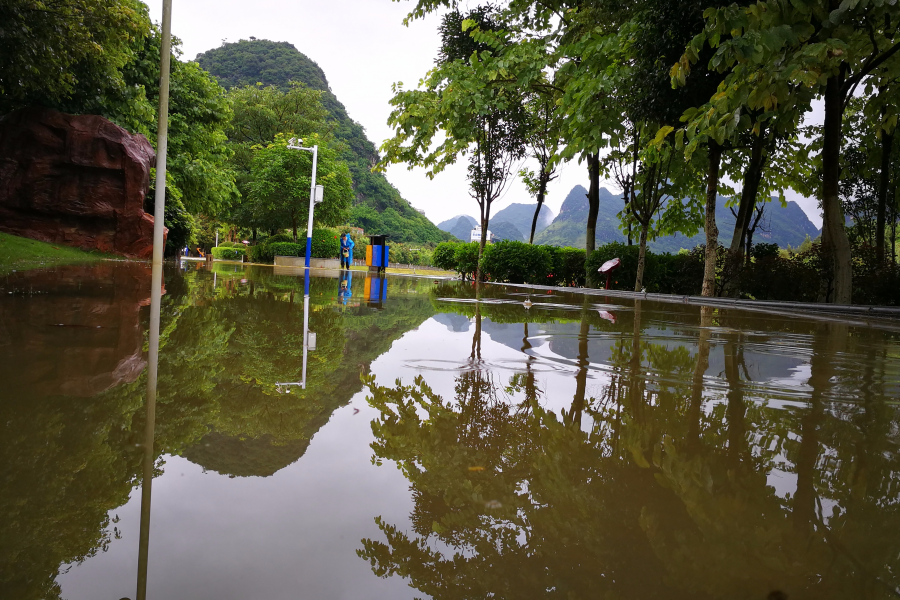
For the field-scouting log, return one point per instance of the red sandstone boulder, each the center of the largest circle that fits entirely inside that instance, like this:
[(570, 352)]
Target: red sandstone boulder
[(75, 180)]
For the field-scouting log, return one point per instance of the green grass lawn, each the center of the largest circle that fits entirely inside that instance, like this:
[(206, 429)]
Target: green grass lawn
[(22, 254)]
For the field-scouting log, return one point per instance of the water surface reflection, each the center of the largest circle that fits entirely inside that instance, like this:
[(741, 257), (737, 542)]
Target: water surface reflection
[(573, 447)]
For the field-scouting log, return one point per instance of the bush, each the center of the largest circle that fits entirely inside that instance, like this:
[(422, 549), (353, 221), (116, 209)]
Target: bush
[(230, 245), (261, 253), (227, 253), (518, 262), (680, 273), (444, 256), (287, 249), (623, 277), (568, 266), (326, 243), (466, 256)]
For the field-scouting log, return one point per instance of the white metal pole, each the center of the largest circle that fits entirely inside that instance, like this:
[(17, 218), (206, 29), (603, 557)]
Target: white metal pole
[(162, 144), (312, 203), (217, 238)]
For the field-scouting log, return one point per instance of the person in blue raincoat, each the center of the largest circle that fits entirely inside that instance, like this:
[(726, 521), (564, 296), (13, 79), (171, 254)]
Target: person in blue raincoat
[(346, 251)]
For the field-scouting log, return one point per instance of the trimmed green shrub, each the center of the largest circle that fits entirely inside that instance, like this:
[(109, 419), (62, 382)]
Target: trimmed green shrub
[(262, 253), (444, 256), (466, 256), (226, 253), (568, 266), (279, 237), (518, 262), (680, 273), (287, 249), (326, 243)]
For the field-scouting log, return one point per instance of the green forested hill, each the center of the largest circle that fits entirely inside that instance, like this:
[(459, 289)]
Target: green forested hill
[(379, 208)]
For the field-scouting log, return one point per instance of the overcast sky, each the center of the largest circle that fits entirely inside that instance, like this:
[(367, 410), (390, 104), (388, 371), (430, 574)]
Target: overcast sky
[(363, 48)]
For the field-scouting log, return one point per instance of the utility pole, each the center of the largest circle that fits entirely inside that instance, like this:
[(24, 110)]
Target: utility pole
[(155, 295), (316, 193)]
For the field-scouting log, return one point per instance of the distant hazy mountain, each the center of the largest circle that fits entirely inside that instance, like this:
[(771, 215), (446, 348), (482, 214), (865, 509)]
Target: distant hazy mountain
[(505, 230), (451, 223), (460, 226), (784, 226), (520, 215)]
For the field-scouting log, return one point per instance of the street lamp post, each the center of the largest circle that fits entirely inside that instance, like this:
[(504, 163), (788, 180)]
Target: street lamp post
[(315, 192)]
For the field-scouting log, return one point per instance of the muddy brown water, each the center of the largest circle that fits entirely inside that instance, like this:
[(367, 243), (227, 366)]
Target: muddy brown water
[(448, 443)]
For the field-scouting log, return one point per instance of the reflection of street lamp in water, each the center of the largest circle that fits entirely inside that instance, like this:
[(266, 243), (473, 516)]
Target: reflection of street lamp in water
[(309, 340)]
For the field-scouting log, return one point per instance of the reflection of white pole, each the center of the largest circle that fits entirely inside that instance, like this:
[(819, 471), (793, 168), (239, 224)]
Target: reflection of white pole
[(155, 295), (305, 337)]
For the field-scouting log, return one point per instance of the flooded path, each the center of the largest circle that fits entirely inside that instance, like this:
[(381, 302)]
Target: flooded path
[(444, 442)]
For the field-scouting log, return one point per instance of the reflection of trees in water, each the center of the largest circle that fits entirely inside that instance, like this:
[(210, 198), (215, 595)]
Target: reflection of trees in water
[(665, 494), (69, 461)]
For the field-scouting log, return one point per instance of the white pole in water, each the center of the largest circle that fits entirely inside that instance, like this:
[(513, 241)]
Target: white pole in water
[(293, 144), (312, 203), (155, 294)]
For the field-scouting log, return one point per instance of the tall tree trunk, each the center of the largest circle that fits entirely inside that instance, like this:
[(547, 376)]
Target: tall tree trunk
[(485, 219), (642, 259), (476, 336), (712, 232), (749, 193), (887, 143), (834, 234), (894, 225), (593, 202), (542, 192), (294, 226)]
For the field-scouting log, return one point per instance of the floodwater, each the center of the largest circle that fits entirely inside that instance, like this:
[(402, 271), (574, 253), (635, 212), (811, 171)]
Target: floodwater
[(440, 443)]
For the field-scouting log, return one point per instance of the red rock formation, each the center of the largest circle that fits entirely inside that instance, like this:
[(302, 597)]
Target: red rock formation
[(75, 180), (72, 330)]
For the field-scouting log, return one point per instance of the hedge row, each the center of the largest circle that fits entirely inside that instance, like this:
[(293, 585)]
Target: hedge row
[(325, 244), (229, 252), (514, 262)]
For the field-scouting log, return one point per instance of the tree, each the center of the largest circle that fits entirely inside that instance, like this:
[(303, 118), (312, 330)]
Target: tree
[(543, 140), (776, 53), (199, 174), (260, 113), (280, 185), (52, 52), (478, 119)]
